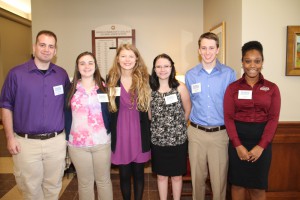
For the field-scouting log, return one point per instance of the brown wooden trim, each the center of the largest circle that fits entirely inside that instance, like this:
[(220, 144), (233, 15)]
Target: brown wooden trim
[(13, 17), (287, 132), (291, 125), (93, 43), (283, 195), (284, 177)]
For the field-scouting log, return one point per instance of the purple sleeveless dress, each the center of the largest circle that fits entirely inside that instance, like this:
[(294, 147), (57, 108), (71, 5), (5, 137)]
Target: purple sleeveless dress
[(129, 143)]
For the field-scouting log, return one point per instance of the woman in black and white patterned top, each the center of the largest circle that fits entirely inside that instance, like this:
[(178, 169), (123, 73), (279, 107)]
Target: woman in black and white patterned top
[(169, 111)]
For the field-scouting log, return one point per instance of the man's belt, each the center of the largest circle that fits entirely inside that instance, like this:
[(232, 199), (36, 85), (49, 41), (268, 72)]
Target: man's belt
[(212, 129), (42, 136)]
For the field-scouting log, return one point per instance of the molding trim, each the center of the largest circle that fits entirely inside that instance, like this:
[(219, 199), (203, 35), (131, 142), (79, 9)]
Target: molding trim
[(287, 132), (13, 17), (284, 177), (283, 195)]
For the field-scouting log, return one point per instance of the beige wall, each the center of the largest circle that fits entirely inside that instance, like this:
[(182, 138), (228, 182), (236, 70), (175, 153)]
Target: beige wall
[(266, 21), (170, 26), (174, 27), (230, 11), (15, 42)]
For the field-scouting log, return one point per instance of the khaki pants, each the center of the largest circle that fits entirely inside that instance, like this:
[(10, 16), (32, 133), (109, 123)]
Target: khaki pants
[(39, 167), (208, 152), (93, 164)]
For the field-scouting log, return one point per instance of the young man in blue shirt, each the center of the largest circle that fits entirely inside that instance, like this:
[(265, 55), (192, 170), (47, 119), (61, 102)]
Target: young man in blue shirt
[(208, 139)]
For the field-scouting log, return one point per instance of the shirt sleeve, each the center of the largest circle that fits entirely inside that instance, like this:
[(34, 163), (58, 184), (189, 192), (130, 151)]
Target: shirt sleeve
[(187, 82), (233, 76), (229, 113), (7, 99), (273, 118), (67, 81)]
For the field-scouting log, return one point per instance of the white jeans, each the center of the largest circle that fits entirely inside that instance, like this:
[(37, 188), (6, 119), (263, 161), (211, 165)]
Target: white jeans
[(93, 164)]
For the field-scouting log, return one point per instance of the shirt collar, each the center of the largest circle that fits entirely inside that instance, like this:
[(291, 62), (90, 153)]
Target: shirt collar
[(32, 66), (217, 67), (261, 79)]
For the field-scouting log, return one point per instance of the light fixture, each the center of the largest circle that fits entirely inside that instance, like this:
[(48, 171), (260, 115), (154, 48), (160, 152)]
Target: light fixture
[(21, 8), (24, 6)]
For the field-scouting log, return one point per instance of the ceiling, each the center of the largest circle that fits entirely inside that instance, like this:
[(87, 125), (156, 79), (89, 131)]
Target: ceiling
[(19, 7)]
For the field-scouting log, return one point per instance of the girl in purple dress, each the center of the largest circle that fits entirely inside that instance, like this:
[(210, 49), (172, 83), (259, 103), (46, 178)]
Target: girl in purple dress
[(128, 83)]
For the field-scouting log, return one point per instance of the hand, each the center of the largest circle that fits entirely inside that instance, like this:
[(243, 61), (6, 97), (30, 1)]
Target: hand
[(255, 153), (13, 146), (242, 152)]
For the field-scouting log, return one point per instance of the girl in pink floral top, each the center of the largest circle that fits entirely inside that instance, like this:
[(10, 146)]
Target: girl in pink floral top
[(87, 129)]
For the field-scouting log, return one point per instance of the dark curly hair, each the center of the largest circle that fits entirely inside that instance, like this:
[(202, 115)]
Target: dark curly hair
[(252, 45), (173, 82)]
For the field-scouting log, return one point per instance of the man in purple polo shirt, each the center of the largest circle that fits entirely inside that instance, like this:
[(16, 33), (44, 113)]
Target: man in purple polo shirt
[(32, 102)]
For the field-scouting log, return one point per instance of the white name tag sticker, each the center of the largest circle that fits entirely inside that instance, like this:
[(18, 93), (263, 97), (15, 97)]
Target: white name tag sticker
[(245, 94), (58, 90), (102, 97), (171, 99), (117, 90), (196, 88)]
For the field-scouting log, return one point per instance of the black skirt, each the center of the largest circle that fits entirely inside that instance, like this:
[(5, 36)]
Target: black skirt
[(169, 160), (253, 175)]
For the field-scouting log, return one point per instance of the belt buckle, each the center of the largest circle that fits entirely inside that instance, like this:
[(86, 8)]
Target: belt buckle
[(213, 129), (209, 130), (43, 136)]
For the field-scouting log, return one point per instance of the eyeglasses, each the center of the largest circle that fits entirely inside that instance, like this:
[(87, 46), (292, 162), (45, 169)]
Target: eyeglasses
[(162, 67)]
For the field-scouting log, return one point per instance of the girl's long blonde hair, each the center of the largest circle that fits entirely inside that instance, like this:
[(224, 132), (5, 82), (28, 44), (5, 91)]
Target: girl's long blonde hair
[(140, 81)]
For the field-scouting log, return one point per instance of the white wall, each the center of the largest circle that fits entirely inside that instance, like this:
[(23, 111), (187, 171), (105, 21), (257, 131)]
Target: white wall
[(266, 21), (162, 26)]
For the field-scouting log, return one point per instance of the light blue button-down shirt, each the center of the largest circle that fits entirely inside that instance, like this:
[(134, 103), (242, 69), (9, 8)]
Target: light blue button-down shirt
[(207, 104)]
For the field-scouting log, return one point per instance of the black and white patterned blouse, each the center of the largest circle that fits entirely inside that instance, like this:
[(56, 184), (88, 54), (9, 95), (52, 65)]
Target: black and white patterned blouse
[(168, 126)]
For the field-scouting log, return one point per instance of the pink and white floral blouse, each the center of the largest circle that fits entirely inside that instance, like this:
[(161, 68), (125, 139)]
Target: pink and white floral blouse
[(87, 123)]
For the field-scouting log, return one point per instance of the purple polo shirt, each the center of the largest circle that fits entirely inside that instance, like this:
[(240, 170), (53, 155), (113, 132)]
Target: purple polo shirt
[(31, 96)]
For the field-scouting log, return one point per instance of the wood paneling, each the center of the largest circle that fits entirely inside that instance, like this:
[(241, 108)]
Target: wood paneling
[(284, 177), (15, 42)]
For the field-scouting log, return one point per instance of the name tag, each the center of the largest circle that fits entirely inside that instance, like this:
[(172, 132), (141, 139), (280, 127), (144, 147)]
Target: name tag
[(245, 94), (58, 90), (102, 97), (196, 88), (171, 99), (117, 91)]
